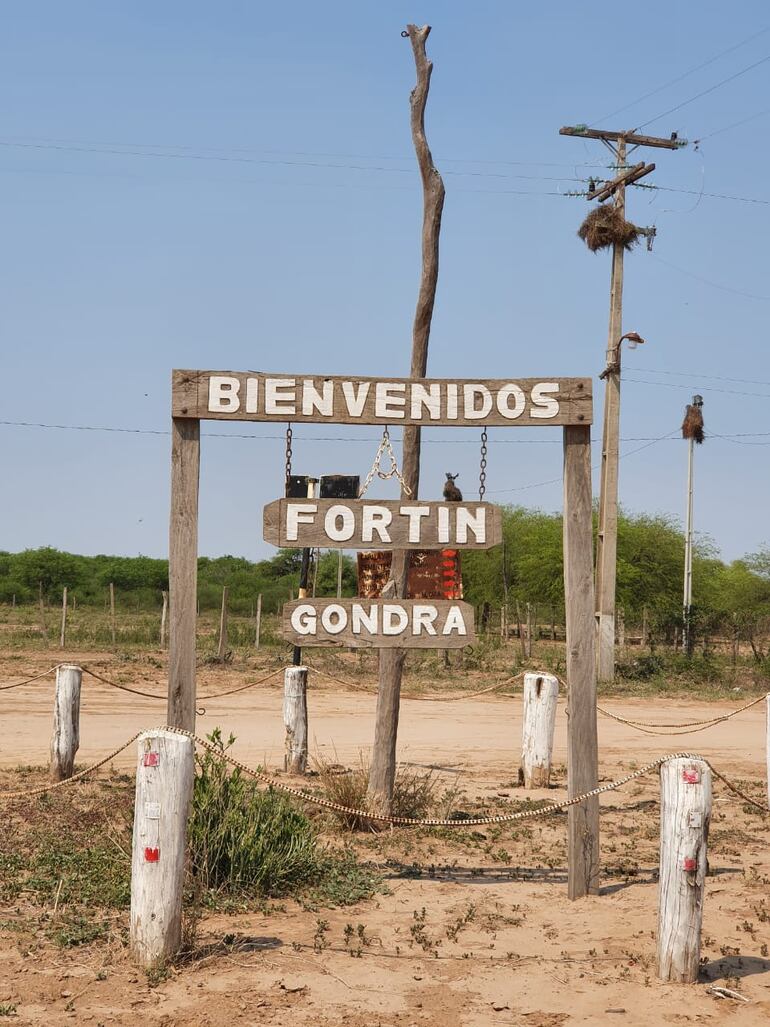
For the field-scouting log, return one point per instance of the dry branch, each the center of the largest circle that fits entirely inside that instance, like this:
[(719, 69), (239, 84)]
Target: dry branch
[(383, 767)]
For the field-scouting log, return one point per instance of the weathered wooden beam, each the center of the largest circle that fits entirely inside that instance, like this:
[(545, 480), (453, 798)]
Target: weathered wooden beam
[(632, 138), (625, 178)]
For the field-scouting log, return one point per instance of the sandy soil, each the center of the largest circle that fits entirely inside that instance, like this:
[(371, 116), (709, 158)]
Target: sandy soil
[(500, 941)]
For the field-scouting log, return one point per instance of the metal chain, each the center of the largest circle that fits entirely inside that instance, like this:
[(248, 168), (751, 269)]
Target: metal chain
[(288, 455), (483, 466), (394, 472)]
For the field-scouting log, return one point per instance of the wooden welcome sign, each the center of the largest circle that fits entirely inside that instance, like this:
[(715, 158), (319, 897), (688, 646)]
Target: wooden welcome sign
[(254, 396), (379, 623), (368, 524)]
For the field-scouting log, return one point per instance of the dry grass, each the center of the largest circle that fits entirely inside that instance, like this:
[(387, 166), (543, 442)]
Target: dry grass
[(605, 226)]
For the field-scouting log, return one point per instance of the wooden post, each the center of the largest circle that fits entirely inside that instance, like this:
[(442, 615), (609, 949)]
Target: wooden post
[(163, 620), (735, 640), (112, 612), (66, 721), (63, 633), (164, 780), (520, 631), (183, 571), (541, 695), (685, 811), (382, 771), (222, 651), (582, 743), (767, 746), (529, 631), (258, 626), (41, 604), (295, 719)]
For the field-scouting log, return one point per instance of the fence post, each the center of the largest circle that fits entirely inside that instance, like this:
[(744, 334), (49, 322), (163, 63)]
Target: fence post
[(43, 630), (66, 721), (685, 811), (223, 627), (295, 719), (541, 694), (164, 781), (258, 626), (112, 612), (63, 634), (163, 620)]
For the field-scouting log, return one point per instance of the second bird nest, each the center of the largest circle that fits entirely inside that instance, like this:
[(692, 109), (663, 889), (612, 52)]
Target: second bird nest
[(605, 226)]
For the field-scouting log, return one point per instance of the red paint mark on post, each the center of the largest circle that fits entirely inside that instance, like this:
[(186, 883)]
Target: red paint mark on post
[(691, 775), (689, 863), (151, 759), (152, 855)]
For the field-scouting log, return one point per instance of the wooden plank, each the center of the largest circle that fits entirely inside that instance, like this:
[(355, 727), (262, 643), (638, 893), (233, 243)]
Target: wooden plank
[(183, 572), (389, 524), (632, 138), (379, 623), (626, 178), (582, 743), (256, 396)]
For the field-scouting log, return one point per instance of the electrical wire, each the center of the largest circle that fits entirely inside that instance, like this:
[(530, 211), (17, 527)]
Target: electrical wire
[(709, 377), (703, 388), (699, 192), (705, 92), (729, 128), (709, 282), (684, 75)]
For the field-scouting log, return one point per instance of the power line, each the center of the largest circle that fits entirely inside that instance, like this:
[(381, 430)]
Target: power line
[(708, 281), (699, 192), (684, 75), (708, 377), (703, 388), (262, 161), (705, 92), (454, 440), (728, 128)]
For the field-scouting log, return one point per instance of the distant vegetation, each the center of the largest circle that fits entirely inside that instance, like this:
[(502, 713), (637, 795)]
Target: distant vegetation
[(528, 568)]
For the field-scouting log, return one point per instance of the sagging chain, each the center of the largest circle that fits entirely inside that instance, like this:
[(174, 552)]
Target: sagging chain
[(288, 456), (393, 472), (483, 466)]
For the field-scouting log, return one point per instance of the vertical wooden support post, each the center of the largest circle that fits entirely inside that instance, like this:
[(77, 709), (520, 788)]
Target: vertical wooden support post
[(163, 620), (529, 631), (164, 781), (66, 721), (295, 719), (258, 625), (41, 604), (541, 695), (63, 633), (222, 650), (582, 744), (112, 612), (183, 571), (685, 811), (767, 746)]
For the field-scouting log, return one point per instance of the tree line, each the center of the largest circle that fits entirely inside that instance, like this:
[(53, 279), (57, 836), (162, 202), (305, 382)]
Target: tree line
[(526, 568)]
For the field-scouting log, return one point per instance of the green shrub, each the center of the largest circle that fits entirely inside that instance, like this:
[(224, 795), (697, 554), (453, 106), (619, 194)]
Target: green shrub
[(242, 839)]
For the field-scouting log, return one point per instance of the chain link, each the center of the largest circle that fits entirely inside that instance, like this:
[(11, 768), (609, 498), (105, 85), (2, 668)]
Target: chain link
[(483, 466), (394, 472), (288, 456)]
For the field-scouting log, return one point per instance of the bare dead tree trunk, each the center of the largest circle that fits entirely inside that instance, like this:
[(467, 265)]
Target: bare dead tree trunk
[(382, 774)]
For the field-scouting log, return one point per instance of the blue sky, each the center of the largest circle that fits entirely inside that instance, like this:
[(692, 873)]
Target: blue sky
[(233, 186)]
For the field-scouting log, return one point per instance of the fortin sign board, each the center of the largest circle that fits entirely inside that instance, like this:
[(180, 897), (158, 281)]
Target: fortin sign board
[(388, 525)]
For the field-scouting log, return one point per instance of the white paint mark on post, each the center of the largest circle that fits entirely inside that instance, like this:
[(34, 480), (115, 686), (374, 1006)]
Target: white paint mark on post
[(295, 719), (685, 812), (66, 721), (541, 695), (164, 780)]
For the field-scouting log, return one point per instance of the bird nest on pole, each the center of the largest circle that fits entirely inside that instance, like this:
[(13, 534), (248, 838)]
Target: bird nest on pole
[(692, 426), (605, 226)]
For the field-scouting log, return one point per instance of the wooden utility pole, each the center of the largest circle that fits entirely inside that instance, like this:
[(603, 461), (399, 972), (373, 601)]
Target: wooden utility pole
[(607, 540), (687, 634), (382, 774)]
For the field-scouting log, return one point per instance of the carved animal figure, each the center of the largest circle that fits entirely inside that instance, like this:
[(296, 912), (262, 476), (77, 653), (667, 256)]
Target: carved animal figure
[(451, 492)]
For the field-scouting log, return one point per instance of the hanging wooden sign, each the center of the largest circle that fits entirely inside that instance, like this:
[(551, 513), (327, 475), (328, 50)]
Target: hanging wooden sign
[(254, 396), (380, 624), (392, 524)]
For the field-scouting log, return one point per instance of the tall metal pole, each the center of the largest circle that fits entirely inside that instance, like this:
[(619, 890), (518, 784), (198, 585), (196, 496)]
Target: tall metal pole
[(607, 541)]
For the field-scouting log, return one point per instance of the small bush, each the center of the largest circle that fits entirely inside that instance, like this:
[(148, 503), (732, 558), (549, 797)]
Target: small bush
[(243, 839), (414, 794)]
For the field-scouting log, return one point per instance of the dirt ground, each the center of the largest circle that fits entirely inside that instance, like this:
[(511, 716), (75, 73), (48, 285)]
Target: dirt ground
[(472, 927)]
